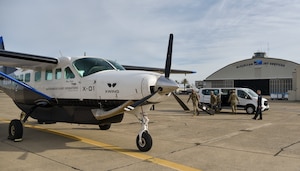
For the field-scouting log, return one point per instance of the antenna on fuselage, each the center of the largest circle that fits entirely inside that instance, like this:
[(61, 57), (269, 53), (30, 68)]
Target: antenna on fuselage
[(61, 55), (84, 54)]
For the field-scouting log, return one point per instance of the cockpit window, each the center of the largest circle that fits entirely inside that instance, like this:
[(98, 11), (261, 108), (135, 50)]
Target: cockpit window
[(115, 64), (88, 66)]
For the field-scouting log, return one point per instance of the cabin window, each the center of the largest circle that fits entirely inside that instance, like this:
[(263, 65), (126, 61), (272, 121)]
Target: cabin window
[(58, 74), (27, 77), (68, 73), (48, 75), (19, 77), (37, 76)]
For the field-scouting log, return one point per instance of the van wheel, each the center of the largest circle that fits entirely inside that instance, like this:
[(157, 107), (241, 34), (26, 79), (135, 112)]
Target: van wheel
[(250, 109)]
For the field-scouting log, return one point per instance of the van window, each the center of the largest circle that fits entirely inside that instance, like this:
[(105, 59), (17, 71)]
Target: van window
[(227, 91), (207, 91), (242, 94), (27, 77)]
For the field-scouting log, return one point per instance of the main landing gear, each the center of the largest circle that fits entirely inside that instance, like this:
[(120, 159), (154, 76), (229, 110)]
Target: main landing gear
[(15, 130), (143, 139)]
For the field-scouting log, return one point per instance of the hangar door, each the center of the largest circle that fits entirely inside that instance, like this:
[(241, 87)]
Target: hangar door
[(261, 84)]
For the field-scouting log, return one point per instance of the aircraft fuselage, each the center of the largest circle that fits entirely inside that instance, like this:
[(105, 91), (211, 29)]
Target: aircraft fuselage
[(79, 87)]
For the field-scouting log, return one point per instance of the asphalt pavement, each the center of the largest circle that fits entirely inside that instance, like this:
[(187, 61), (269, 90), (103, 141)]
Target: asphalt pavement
[(181, 141)]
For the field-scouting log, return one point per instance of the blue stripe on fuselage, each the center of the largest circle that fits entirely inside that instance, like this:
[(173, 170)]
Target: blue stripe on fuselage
[(25, 85)]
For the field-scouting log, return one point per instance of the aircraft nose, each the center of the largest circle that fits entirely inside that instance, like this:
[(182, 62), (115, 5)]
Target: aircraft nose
[(166, 85)]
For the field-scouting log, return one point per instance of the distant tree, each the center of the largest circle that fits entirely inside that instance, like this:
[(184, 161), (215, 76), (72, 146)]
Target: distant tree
[(184, 82)]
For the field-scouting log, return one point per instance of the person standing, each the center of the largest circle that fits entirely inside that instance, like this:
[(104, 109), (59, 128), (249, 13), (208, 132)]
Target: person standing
[(233, 100), (258, 108), (213, 100), (195, 100), (219, 104)]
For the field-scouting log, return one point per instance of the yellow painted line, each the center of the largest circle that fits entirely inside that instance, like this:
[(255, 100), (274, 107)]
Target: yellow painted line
[(138, 155)]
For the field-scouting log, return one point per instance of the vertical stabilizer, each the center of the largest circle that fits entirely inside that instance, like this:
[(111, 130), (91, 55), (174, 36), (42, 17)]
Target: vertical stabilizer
[(1, 43), (6, 70)]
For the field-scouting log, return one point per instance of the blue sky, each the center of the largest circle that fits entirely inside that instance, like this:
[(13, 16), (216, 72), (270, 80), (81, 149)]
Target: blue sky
[(208, 35)]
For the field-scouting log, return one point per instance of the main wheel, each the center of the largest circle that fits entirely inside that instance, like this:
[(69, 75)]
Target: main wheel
[(104, 126), (15, 130), (146, 143)]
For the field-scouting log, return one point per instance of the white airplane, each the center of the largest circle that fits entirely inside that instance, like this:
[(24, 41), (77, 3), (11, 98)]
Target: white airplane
[(84, 90)]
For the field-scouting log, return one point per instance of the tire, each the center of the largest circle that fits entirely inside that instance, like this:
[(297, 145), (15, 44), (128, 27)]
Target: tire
[(146, 143), (104, 126), (250, 109), (15, 130)]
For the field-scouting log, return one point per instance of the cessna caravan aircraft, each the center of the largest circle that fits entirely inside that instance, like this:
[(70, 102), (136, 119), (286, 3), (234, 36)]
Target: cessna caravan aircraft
[(84, 90)]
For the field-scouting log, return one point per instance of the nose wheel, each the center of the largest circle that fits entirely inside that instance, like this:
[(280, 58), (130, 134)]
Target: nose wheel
[(144, 142), (144, 139)]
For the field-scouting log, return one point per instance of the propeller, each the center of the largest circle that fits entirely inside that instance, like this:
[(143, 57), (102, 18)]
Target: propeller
[(169, 57), (164, 85), (183, 105), (168, 70)]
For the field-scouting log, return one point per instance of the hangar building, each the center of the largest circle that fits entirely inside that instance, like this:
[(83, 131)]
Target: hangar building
[(275, 77)]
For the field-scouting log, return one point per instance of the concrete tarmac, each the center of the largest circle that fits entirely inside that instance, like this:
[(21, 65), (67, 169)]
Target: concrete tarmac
[(181, 141)]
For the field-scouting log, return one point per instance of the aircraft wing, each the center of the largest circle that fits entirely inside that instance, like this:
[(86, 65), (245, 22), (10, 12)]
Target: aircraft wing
[(26, 61), (159, 70)]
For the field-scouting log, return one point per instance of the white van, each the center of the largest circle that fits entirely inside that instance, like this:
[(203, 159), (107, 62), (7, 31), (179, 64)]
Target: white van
[(247, 98)]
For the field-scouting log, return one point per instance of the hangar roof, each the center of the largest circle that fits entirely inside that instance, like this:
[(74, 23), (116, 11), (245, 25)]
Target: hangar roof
[(258, 67)]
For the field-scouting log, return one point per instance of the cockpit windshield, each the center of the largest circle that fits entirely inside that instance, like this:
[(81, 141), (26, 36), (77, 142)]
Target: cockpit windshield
[(88, 66), (116, 65)]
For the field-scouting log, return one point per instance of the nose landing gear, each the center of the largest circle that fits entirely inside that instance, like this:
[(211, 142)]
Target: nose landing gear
[(144, 140)]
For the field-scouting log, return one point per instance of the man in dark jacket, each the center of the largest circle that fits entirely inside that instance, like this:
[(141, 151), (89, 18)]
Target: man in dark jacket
[(258, 109)]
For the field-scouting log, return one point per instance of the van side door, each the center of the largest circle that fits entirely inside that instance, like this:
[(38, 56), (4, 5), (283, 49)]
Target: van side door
[(225, 93), (244, 98)]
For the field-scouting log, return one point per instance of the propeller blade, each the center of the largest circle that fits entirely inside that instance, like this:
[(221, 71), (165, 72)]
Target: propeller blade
[(139, 102), (169, 57), (180, 102)]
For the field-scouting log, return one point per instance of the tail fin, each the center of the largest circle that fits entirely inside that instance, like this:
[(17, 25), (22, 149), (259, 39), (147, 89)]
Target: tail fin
[(1, 43), (6, 70)]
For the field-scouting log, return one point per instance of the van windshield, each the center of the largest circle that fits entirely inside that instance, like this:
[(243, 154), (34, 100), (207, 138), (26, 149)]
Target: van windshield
[(250, 92)]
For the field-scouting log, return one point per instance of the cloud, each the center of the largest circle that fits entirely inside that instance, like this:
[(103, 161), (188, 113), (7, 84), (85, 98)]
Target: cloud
[(208, 35)]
